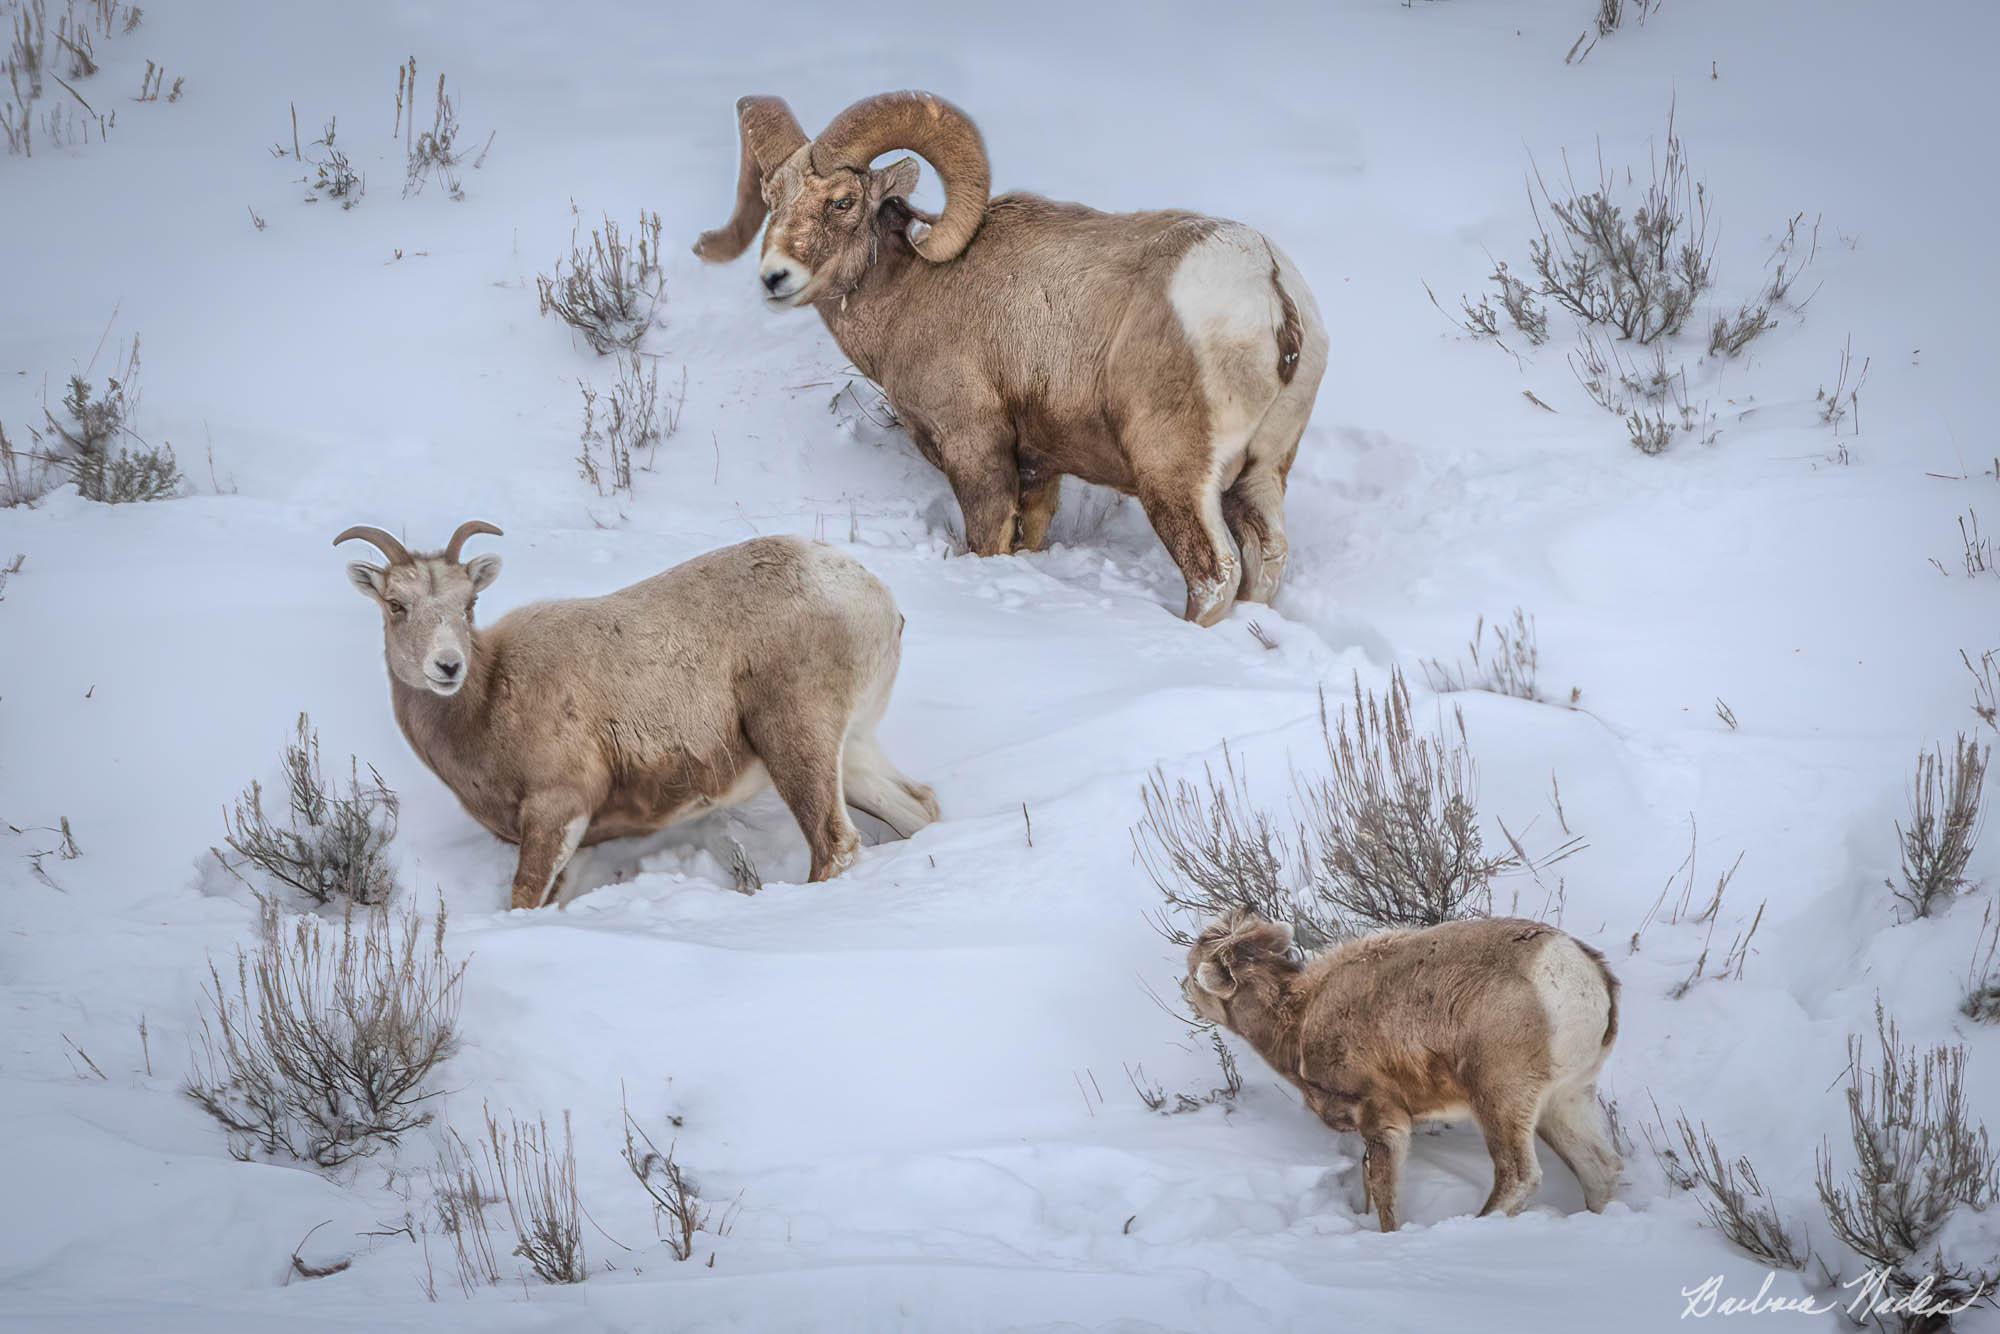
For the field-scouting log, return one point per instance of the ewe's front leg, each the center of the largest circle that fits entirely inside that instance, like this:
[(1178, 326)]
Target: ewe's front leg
[(552, 825), (1039, 497)]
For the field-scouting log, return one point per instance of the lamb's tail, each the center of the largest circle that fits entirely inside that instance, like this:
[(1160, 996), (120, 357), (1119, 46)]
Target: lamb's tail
[(1610, 990)]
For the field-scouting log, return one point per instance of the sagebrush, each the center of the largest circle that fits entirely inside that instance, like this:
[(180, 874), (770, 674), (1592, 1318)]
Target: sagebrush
[(1386, 834), (325, 1048), (1920, 1157), (679, 1211), (328, 844), (607, 289), (1947, 807)]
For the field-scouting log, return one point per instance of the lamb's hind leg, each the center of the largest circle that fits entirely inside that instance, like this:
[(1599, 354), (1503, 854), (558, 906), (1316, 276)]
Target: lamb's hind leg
[(1509, 1127), (1573, 1125)]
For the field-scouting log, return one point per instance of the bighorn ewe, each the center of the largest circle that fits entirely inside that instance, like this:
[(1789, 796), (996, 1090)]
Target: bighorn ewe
[(568, 723), (1505, 1020), (1171, 356)]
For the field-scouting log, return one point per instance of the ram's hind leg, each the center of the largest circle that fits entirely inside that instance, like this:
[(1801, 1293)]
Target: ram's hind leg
[(1182, 495)]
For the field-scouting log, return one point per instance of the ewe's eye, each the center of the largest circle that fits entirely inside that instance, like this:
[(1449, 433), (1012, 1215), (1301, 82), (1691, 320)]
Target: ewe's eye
[(397, 609), (842, 204)]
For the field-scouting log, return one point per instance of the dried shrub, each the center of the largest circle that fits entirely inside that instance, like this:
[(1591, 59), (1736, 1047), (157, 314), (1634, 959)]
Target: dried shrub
[(1946, 810), (607, 290), (679, 1212), (1920, 1158), (1978, 554), (328, 845), (1155, 1096), (1731, 1194), (1210, 849), (1510, 669), (538, 1184), (334, 175), (1392, 828), (436, 153), (84, 445), (1639, 273), (1388, 835), (633, 420), (1730, 333), (324, 1050)]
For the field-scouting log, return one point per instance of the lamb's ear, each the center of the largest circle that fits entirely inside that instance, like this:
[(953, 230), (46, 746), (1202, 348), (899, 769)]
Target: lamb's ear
[(372, 580), (1215, 978), (484, 570)]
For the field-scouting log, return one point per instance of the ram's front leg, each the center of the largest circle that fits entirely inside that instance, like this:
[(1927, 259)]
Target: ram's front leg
[(979, 462), (552, 827)]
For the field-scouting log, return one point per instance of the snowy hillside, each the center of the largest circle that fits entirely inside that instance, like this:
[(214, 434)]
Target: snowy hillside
[(907, 1087)]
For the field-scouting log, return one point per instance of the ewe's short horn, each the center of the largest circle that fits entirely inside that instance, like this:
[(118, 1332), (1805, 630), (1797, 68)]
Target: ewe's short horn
[(770, 134), (465, 530), (933, 129), (390, 547)]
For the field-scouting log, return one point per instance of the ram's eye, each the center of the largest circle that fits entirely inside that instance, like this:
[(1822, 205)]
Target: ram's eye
[(842, 204)]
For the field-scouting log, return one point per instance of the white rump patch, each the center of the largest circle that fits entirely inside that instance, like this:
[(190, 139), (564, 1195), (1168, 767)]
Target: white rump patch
[(1574, 997), (1221, 292)]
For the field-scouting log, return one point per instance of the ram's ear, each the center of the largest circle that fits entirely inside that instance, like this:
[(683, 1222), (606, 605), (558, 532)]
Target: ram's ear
[(897, 180), (484, 570), (372, 580)]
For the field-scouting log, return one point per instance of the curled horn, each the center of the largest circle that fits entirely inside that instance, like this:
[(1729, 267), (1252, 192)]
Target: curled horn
[(771, 134), (933, 129), (465, 530), (390, 547)]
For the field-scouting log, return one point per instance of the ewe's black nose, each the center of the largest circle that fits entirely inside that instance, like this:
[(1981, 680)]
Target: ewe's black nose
[(447, 669), (773, 280)]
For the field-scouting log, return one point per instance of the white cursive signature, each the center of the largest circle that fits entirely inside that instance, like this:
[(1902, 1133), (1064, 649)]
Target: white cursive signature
[(1871, 1298)]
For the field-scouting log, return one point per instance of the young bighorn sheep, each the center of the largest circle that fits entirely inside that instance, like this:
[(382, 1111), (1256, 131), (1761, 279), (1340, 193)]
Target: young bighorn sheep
[(1504, 1020), (1168, 355), (568, 723)]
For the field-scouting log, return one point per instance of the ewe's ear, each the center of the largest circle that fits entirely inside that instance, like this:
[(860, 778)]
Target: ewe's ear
[(897, 179), (372, 580), (484, 570)]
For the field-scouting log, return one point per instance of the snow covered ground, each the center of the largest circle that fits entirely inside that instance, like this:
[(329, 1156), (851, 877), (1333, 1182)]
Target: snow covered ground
[(913, 1076)]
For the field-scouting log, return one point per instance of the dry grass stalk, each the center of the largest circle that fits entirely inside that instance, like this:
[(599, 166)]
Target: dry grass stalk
[(538, 1185), (460, 1192), (679, 1212), (1982, 979), (1511, 670)]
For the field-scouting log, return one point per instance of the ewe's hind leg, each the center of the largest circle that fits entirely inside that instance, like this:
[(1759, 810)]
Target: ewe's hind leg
[(874, 785), (803, 759), (1183, 500), (1573, 1125), (1510, 1137)]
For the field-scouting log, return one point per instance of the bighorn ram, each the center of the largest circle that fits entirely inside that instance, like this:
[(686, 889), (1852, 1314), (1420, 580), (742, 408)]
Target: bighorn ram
[(1505, 1020), (1172, 356), (568, 723)]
